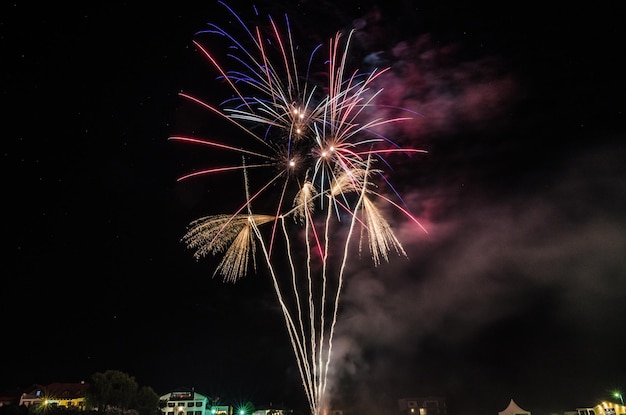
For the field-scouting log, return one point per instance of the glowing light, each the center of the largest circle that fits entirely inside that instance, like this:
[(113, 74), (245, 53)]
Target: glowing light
[(321, 147)]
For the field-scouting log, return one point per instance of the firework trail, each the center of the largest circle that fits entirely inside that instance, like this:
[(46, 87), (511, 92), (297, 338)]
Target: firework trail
[(313, 135)]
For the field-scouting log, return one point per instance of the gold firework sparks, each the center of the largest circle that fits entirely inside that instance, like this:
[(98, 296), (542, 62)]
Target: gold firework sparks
[(319, 143), (232, 234)]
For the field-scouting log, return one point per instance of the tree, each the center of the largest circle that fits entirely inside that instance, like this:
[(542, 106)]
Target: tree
[(111, 390), (147, 401)]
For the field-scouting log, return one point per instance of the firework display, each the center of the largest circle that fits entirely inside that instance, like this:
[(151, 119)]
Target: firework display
[(318, 155)]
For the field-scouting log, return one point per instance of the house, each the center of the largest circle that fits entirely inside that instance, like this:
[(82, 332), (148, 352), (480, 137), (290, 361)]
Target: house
[(188, 402), (276, 410), (68, 395), (11, 397), (603, 408)]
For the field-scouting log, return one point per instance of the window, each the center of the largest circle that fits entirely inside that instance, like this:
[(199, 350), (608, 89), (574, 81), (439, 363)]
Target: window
[(190, 404), (182, 395), (198, 403), (170, 404)]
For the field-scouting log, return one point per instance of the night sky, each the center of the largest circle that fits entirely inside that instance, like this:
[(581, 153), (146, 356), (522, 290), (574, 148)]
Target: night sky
[(516, 291)]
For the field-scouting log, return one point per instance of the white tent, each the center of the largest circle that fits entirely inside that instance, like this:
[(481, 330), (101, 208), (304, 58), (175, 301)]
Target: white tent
[(514, 409)]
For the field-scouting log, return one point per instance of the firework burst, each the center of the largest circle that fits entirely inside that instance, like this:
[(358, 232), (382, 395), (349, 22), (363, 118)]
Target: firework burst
[(321, 149)]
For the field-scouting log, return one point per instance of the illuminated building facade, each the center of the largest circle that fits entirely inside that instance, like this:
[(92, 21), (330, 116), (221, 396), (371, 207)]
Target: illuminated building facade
[(68, 395), (604, 408), (189, 402)]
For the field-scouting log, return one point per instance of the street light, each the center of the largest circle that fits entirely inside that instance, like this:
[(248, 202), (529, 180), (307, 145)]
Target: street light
[(618, 394)]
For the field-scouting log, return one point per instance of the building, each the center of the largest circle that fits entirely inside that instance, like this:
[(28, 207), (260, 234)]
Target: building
[(11, 397), (68, 395), (189, 402), (270, 410), (428, 405), (603, 408)]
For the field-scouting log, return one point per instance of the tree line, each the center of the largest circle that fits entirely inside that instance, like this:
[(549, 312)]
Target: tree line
[(111, 392)]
